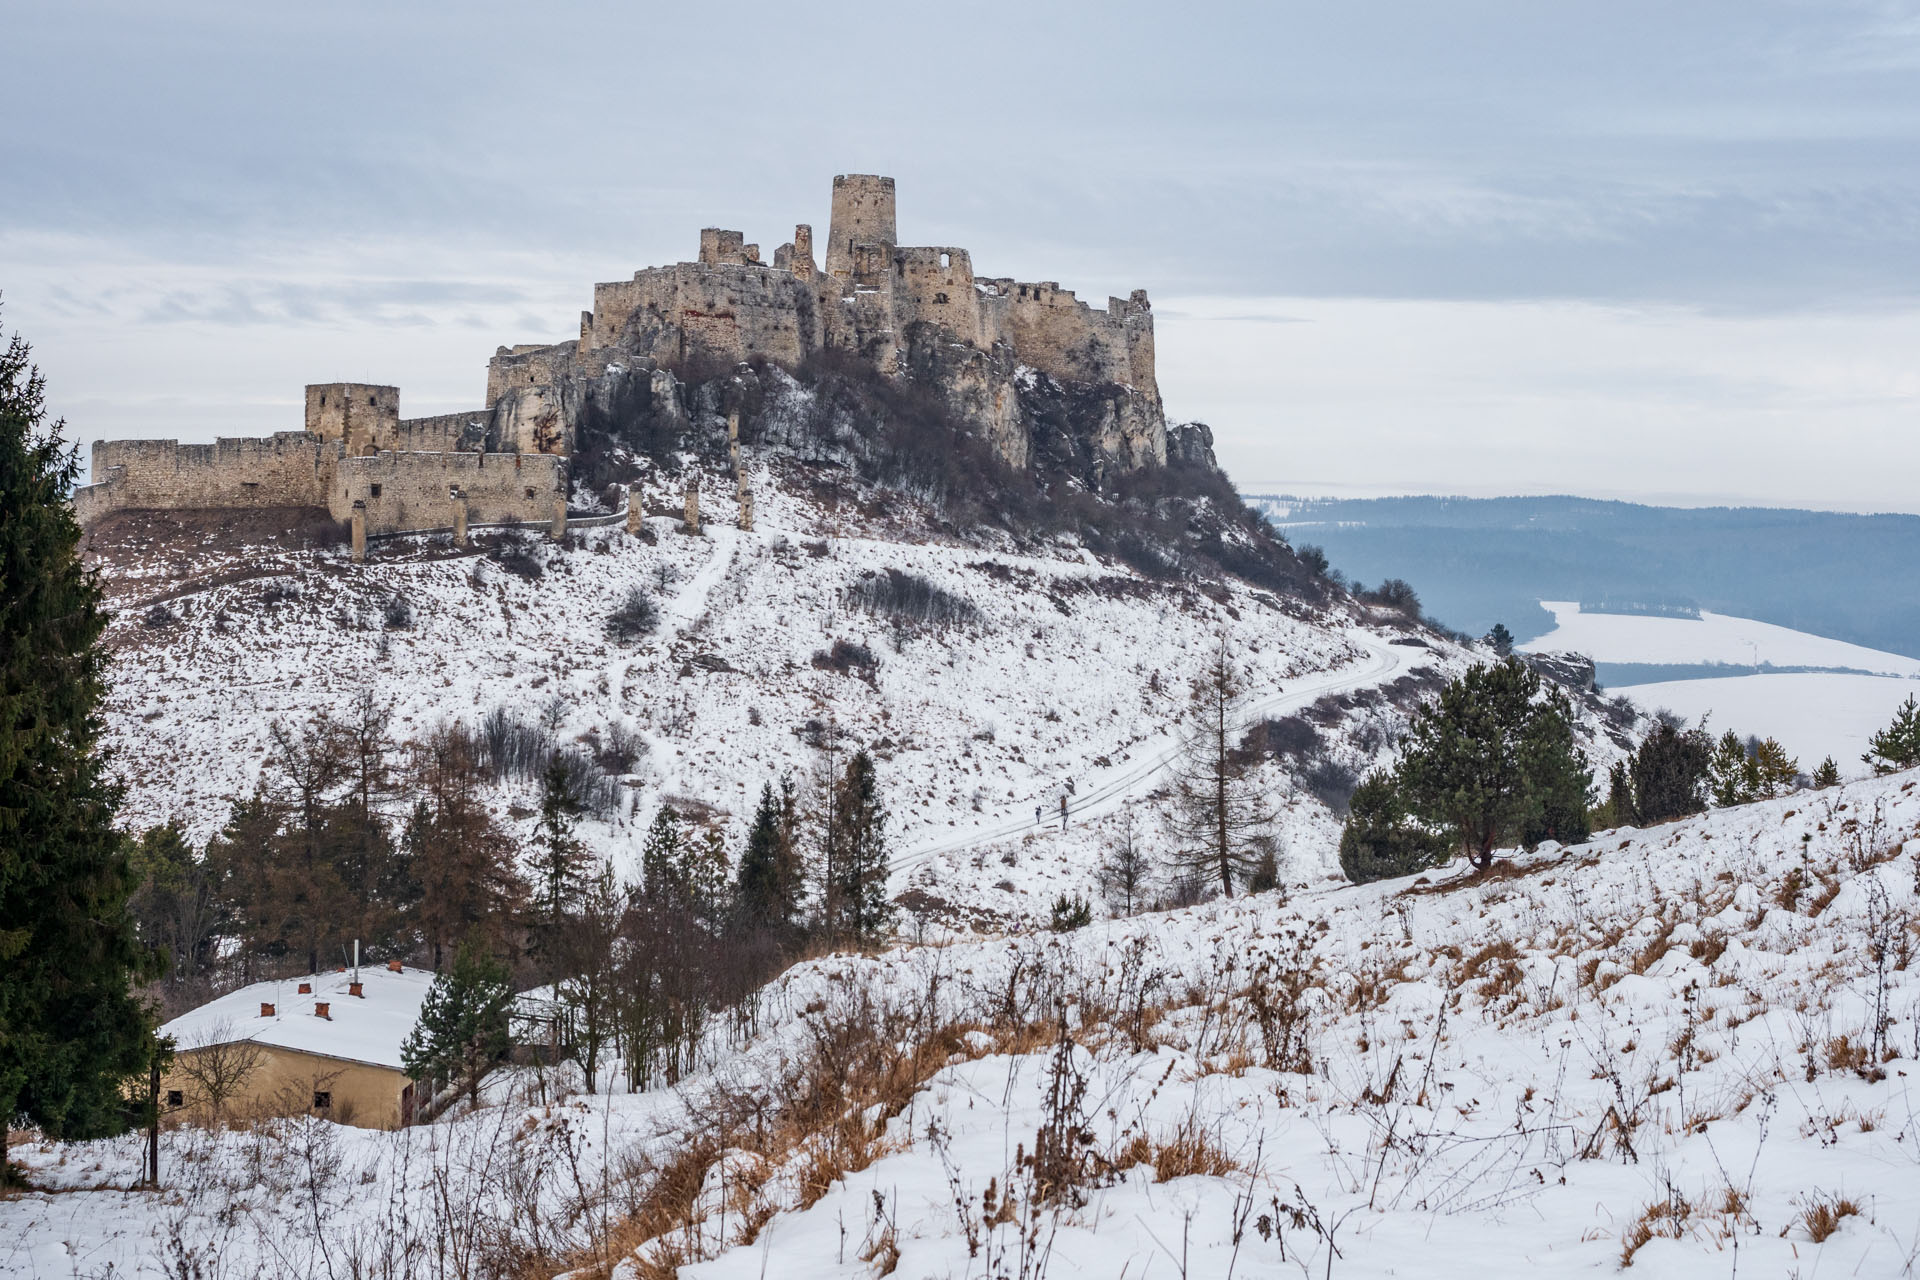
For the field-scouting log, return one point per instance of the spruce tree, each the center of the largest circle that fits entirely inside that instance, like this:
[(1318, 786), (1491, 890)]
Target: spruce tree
[(866, 912), (71, 1029), (765, 896), (560, 859)]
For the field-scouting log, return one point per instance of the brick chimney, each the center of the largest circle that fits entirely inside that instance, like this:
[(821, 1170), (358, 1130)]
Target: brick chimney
[(266, 1010), (306, 988), (395, 966), (320, 1010), (355, 989)]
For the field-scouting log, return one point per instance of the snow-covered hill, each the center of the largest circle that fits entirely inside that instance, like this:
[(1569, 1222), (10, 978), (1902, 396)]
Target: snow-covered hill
[(1690, 1049), (1066, 679)]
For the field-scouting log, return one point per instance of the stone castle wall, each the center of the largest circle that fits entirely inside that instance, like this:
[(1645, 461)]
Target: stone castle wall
[(286, 469), (417, 490), (904, 308)]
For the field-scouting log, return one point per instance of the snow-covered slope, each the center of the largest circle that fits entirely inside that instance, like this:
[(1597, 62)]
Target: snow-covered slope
[(1690, 1047), (1068, 680)]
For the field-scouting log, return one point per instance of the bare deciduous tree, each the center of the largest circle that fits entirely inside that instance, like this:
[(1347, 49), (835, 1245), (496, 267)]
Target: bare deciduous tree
[(1217, 810)]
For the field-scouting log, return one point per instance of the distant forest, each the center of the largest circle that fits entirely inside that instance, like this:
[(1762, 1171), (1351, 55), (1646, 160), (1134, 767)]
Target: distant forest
[(1478, 561)]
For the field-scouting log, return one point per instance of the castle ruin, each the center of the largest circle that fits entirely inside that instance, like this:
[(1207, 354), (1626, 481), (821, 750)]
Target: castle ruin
[(907, 311)]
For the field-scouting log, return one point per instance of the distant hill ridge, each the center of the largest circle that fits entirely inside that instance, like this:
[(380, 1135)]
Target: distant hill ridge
[(1478, 561)]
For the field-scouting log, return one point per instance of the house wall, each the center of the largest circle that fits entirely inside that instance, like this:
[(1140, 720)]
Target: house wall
[(282, 1082)]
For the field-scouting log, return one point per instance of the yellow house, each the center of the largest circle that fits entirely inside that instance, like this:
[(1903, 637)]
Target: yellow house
[(326, 1045)]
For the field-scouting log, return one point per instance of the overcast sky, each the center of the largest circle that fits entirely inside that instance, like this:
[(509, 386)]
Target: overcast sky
[(1663, 251)]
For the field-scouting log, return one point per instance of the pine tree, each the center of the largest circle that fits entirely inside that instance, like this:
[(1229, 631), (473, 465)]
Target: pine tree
[(1500, 640), (71, 1030), (1897, 746), (1669, 774), (1493, 760), (1827, 775), (462, 1031), (1735, 775), (866, 912), (1381, 839)]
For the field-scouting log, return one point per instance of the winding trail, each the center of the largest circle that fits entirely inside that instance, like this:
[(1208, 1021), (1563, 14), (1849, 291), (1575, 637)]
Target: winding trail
[(1154, 756)]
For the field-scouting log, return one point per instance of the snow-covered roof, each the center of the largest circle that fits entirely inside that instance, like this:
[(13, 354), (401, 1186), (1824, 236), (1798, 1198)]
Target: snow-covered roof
[(368, 1028)]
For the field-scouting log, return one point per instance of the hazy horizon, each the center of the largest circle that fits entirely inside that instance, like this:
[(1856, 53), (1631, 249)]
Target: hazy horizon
[(1641, 252)]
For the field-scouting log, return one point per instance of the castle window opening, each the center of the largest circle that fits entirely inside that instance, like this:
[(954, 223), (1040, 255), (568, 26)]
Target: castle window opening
[(946, 261), (940, 297), (374, 490), (529, 491)]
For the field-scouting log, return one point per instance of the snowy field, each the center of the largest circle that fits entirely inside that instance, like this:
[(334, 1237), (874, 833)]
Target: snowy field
[(1813, 714), (1691, 1049), (1712, 637)]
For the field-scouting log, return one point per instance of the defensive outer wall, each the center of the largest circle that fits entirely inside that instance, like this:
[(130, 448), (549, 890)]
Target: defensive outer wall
[(872, 298)]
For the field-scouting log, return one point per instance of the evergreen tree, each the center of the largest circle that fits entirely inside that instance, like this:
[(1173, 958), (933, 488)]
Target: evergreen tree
[(245, 883), (1381, 839), (866, 912), (462, 1030), (1500, 640), (766, 895), (1619, 810), (175, 908), (1669, 774), (1494, 760), (71, 1030), (663, 858), (1827, 775), (1897, 746), (560, 859), (1735, 775)]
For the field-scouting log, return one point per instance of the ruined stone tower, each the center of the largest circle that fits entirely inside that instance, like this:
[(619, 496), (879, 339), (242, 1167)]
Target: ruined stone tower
[(862, 214)]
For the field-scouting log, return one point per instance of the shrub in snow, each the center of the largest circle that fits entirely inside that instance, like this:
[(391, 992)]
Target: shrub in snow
[(636, 615), (516, 555), (847, 658), (399, 613), (908, 597), (159, 616)]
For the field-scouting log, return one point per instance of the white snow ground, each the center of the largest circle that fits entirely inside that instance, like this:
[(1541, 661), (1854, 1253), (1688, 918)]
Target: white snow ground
[(1712, 637), (1707, 1029), (1069, 681), (1814, 714)]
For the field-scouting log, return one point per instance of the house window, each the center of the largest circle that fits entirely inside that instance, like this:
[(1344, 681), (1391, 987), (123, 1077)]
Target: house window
[(175, 1098), (323, 1099), (375, 490)]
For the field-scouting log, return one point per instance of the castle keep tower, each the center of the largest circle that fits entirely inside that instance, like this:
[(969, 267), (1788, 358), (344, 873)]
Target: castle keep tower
[(364, 417), (862, 214)]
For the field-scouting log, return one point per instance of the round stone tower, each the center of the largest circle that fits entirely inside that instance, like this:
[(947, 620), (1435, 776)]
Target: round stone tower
[(862, 214)]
